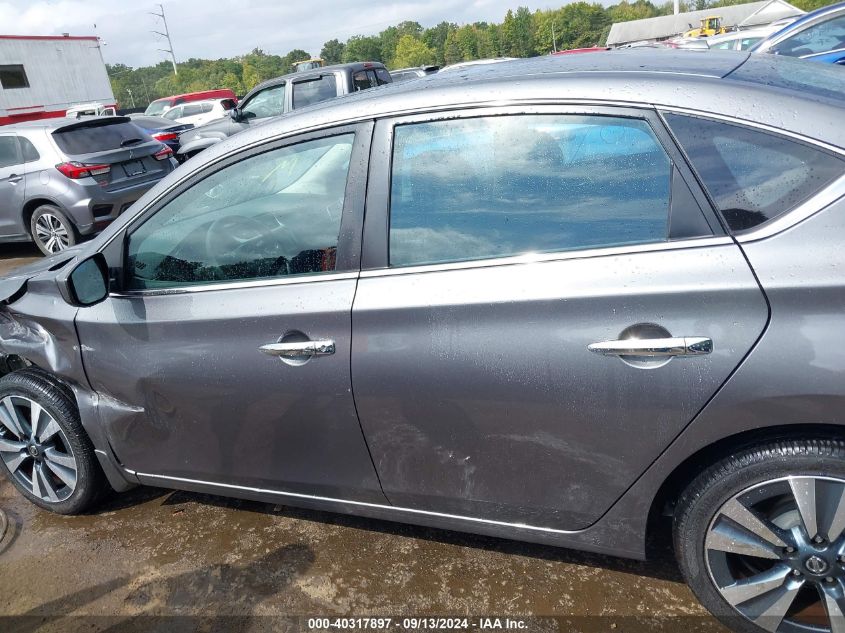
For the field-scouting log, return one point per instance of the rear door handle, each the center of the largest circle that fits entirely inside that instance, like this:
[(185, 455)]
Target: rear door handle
[(655, 347), (300, 349), (14, 179)]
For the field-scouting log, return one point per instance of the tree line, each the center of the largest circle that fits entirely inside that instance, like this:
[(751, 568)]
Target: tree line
[(521, 33)]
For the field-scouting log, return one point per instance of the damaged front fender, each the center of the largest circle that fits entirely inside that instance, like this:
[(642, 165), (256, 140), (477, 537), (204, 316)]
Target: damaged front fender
[(37, 328)]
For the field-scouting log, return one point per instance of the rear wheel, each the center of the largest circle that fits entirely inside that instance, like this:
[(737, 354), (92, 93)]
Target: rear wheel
[(51, 231), (44, 450), (760, 538)]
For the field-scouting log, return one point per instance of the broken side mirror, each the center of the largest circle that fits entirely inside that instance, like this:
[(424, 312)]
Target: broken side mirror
[(87, 283)]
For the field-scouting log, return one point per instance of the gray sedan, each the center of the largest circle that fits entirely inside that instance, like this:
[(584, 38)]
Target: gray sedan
[(557, 300)]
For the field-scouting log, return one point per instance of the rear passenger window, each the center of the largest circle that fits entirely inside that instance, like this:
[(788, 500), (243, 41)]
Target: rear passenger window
[(500, 186), (30, 154), (8, 151), (753, 176), (306, 93)]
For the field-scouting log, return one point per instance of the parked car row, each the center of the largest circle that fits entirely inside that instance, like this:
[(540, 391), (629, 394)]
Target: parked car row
[(564, 317), (61, 179), (816, 36)]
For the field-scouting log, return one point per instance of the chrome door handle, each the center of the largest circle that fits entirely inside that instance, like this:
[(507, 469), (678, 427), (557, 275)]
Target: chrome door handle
[(14, 179), (299, 350), (655, 347)]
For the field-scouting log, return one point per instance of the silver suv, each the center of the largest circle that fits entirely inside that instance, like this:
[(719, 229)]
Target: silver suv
[(64, 178)]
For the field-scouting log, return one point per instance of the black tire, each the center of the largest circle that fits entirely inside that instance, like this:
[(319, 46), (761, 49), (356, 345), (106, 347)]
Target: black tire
[(56, 399), (51, 211), (718, 484)]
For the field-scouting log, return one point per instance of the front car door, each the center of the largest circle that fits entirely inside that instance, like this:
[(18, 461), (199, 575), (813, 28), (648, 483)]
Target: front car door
[(12, 184), (521, 270), (261, 252)]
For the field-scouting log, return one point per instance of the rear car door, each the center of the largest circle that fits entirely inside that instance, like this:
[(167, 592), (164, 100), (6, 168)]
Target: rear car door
[(225, 359), (12, 184), (545, 303)]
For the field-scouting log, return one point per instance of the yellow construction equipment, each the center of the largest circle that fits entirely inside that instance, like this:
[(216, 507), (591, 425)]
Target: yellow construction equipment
[(711, 25), (308, 64)]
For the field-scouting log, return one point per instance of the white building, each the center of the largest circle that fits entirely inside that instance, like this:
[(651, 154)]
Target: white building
[(42, 76), (738, 16)]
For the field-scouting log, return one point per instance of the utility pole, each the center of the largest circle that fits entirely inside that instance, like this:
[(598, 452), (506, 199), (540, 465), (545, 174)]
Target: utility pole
[(166, 35), (131, 98), (554, 39), (677, 7)]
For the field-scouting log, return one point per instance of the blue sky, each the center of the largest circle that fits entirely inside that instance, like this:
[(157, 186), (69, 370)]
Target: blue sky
[(224, 28)]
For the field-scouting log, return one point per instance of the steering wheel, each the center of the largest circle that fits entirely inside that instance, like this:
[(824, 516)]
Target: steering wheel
[(237, 238)]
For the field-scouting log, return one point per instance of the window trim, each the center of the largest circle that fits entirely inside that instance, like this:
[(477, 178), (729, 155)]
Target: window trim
[(349, 236), (375, 248)]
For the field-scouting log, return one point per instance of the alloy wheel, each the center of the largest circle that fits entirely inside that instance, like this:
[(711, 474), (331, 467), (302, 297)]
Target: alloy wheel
[(35, 450), (52, 233), (776, 554)]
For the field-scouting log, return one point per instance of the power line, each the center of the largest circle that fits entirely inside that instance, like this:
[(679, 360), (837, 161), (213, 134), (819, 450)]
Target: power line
[(166, 35)]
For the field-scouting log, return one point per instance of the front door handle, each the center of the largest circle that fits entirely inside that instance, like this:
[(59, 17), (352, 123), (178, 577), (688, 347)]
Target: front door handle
[(655, 347), (299, 350)]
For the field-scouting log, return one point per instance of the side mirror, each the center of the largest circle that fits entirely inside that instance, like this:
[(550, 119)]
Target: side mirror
[(235, 113), (87, 283)]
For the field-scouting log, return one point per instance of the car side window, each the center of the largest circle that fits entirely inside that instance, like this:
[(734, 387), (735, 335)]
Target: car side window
[(362, 80), (505, 185), (826, 36), (312, 91), (270, 215), (383, 77), (269, 102), (173, 113), (753, 176), (192, 109), (9, 151), (28, 151)]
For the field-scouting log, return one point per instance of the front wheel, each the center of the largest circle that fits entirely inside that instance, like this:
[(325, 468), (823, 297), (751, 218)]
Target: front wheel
[(51, 231), (760, 537), (44, 450)]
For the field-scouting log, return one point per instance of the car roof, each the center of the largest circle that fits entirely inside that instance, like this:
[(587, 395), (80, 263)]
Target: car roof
[(768, 90)]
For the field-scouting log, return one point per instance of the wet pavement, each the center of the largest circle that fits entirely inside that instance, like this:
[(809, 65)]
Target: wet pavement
[(159, 560)]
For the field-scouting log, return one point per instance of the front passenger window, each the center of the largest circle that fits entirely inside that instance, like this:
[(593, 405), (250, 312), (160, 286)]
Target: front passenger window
[(269, 102), (270, 215)]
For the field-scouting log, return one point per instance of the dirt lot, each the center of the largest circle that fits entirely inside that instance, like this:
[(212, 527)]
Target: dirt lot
[(171, 561)]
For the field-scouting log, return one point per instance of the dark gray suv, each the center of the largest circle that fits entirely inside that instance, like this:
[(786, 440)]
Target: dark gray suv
[(61, 179), (588, 298)]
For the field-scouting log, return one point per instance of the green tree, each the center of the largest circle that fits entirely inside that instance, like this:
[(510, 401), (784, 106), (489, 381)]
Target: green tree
[(453, 53), (411, 51), (332, 51), (361, 48), (435, 39), (518, 33)]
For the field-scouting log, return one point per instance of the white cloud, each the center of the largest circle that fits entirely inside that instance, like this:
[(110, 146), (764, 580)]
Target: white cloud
[(224, 28)]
